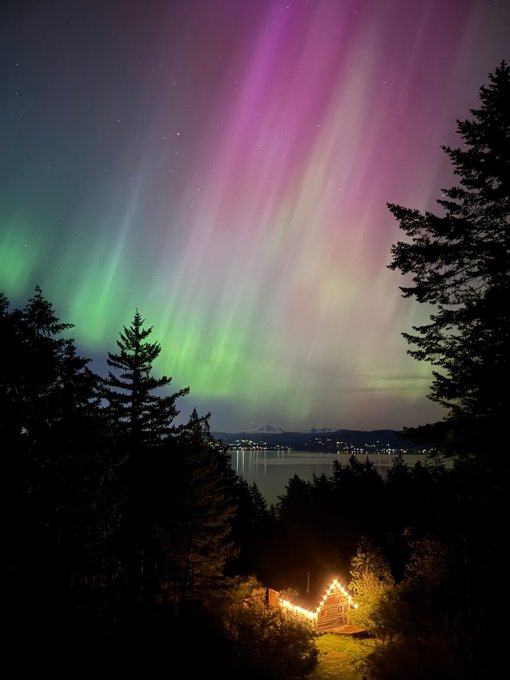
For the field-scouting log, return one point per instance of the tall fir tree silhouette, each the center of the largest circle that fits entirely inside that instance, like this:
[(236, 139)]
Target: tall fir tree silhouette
[(50, 429), (197, 534), (140, 417), (141, 420), (460, 263)]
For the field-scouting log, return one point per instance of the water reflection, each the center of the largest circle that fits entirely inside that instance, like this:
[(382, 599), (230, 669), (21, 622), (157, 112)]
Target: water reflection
[(272, 469)]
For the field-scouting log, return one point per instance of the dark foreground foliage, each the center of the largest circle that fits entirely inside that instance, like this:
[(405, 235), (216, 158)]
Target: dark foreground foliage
[(459, 261), (125, 532)]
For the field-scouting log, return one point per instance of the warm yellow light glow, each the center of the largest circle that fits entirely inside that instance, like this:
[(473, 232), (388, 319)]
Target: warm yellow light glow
[(314, 615), (300, 610), (335, 584)]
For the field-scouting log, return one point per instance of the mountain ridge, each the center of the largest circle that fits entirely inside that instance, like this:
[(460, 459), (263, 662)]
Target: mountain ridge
[(382, 439)]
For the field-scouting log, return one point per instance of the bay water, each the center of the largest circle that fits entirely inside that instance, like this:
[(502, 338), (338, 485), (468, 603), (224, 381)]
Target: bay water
[(272, 469)]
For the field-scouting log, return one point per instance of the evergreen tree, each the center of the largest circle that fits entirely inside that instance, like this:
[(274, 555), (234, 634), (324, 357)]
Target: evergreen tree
[(195, 535), (460, 264), (49, 426), (139, 417), (12, 378), (143, 434), (45, 356), (250, 526)]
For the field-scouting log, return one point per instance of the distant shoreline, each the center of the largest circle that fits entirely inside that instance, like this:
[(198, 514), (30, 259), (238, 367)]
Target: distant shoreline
[(345, 441), (271, 469)]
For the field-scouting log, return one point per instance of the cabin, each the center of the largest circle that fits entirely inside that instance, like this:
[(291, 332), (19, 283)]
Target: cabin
[(330, 612)]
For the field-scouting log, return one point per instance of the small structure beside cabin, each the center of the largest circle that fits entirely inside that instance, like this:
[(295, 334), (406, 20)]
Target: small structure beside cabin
[(331, 612)]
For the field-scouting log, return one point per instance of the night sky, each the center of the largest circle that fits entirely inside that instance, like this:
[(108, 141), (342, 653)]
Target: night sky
[(224, 167)]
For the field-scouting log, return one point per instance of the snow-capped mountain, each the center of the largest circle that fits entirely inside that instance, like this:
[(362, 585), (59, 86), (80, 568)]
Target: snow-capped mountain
[(266, 429)]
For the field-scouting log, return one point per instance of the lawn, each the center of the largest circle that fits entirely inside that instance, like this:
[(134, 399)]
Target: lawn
[(341, 657)]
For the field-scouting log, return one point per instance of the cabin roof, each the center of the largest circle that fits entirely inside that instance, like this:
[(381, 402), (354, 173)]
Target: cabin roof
[(310, 608)]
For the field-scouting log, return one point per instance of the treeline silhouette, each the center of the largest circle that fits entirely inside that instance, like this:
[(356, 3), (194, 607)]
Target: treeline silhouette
[(128, 537), (122, 528)]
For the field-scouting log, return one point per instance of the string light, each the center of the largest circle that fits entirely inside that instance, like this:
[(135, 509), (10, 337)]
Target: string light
[(312, 616)]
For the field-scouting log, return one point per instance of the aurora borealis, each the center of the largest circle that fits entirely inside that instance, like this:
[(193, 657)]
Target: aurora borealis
[(224, 167)]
